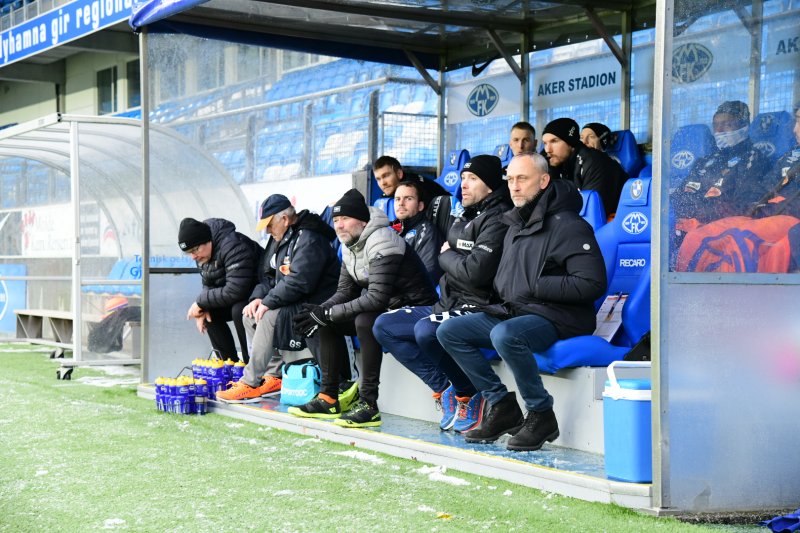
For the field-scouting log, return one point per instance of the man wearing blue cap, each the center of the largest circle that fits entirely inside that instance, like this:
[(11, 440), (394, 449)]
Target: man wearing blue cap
[(299, 266)]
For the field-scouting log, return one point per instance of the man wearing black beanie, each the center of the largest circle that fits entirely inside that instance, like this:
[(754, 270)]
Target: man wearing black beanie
[(588, 169), (380, 271), (227, 261)]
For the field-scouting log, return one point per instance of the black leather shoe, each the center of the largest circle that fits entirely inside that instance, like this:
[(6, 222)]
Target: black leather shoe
[(539, 427), (503, 417)]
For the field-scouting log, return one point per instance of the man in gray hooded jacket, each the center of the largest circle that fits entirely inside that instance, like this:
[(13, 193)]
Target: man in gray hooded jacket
[(380, 271)]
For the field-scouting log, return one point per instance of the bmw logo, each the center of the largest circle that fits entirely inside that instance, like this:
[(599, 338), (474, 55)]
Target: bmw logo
[(482, 100), (637, 187)]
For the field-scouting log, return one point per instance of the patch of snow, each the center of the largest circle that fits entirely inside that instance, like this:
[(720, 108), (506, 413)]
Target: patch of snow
[(234, 425), (284, 492), (507, 493), (41, 473), (491, 487), (426, 509), (361, 456), (305, 441), (437, 473), (97, 381), (113, 523)]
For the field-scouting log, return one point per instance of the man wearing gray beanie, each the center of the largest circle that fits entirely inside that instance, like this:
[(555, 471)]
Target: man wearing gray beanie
[(588, 169)]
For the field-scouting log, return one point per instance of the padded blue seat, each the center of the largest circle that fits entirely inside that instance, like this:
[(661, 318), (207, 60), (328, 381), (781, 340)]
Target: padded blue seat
[(450, 178), (689, 144), (625, 243), (622, 147), (772, 134), (503, 151), (592, 210)]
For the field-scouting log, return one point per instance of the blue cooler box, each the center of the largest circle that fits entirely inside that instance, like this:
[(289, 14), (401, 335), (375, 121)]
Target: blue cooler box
[(626, 423)]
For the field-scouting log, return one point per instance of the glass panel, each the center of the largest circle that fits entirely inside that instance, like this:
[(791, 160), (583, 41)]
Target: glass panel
[(134, 84), (735, 89), (107, 91)]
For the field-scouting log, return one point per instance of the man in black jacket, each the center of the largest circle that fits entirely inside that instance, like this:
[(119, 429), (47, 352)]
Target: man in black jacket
[(414, 226), (587, 168), (375, 258), (227, 261), (550, 274), (299, 266), (469, 258)]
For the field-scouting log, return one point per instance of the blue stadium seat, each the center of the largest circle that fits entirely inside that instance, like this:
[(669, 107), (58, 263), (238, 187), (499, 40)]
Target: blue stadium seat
[(647, 171), (772, 134), (450, 178), (592, 210), (689, 144), (625, 243), (503, 151), (622, 147)]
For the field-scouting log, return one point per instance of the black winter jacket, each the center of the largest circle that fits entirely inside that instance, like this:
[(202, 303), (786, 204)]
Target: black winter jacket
[(379, 272), (592, 170), (424, 238), (302, 267), (230, 275), (551, 264), (476, 245)]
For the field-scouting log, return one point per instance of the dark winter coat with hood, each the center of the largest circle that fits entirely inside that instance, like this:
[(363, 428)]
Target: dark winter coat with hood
[(551, 264), (301, 268), (424, 237), (592, 170), (476, 245), (379, 272), (230, 275)]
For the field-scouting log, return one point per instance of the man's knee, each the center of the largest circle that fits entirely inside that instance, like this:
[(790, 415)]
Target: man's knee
[(502, 337), (425, 332), (382, 329)]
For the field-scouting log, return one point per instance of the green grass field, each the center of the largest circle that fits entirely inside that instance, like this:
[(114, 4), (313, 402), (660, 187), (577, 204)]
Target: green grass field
[(78, 456)]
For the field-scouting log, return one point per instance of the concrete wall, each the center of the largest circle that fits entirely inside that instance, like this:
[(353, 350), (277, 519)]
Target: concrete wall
[(81, 73), (21, 102)]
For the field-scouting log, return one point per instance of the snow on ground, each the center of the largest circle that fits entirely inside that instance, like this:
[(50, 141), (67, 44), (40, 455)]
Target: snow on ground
[(361, 456), (437, 473), (99, 381)]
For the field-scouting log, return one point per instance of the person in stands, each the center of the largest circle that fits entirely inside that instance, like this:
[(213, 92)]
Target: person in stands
[(586, 168), (380, 271), (299, 266), (227, 261)]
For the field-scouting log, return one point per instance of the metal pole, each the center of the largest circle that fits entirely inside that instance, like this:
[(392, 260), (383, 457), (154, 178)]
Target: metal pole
[(756, 38), (625, 86), (145, 92), (659, 254), (75, 197), (440, 116), (525, 80)]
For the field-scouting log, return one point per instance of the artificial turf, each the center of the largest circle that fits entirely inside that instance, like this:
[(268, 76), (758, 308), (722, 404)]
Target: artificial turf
[(76, 456)]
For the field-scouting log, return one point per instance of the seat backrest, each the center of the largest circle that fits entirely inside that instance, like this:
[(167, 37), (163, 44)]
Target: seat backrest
[(503, 151), (772, 134), (450, 178), (622, 147), (592, 210), (625, 241), (689, 144)]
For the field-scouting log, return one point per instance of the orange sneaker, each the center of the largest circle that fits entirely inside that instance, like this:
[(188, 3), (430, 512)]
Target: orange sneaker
[(270, 387), (241, 392)]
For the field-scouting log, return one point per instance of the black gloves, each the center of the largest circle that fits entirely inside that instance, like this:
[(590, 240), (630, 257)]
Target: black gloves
[(307, 322)]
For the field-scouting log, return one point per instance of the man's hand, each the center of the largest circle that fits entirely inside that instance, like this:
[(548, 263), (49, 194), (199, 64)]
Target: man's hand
[(200, 322), (194, 311), (313, 317), (445, 247), (251, 308), (260, 312)]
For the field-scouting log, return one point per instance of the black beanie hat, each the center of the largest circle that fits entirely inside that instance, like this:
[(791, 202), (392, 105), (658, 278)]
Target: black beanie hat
[(602, 132), (352, 204), (735, 108), (565, 129), (193, 233), (488, 168)]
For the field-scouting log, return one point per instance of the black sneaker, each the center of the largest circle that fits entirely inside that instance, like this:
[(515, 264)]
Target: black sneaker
[(361, 415), (539, 427), (503, 417), (317, 408)]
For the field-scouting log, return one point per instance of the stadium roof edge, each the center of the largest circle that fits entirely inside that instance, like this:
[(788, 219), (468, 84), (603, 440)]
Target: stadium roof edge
[(443, 35)]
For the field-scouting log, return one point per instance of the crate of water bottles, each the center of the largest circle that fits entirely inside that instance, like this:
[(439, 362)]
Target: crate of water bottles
[(182, 395), (190, 394)]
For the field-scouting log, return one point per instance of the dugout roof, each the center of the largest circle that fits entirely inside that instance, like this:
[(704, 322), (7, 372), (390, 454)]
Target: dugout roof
[(439, 34)]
